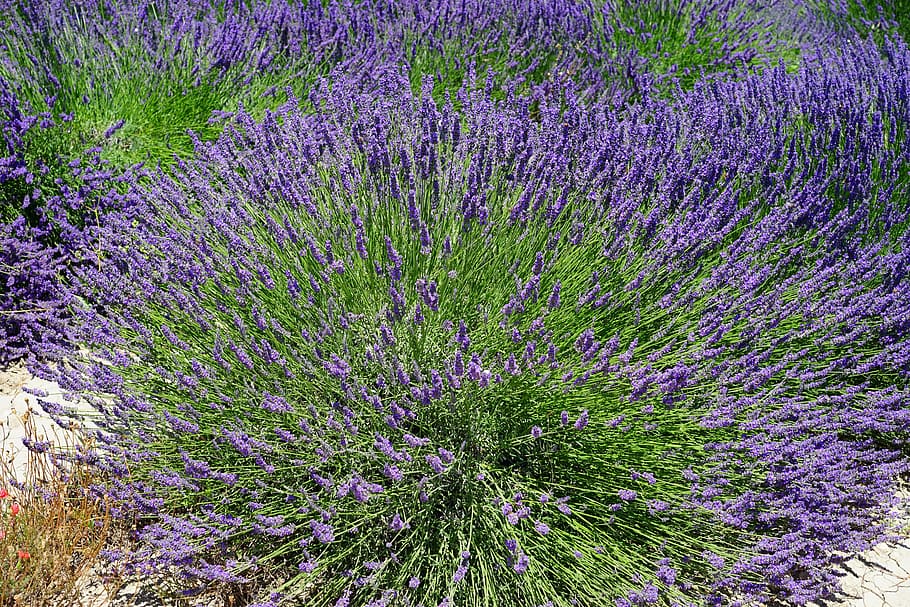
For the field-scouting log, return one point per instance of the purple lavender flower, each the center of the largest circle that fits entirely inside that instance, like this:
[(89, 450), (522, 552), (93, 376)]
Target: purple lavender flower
[(459, 574), (461, 336), (666, 574), (713, 559), (627, 495), (521, 563), (114, 128), (649, 594), (394, 258), (582, 420), (435, 463), (322, 531)]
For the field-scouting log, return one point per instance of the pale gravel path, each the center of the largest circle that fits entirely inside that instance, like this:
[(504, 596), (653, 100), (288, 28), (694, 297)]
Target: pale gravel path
[(876, 578), (16, 405), (879, 578)]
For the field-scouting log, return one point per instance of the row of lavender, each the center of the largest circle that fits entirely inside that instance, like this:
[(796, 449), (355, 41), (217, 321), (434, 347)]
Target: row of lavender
[(129, 78), (580, 342), (91, 90)]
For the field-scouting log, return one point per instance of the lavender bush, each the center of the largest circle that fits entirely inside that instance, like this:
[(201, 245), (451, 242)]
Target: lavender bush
[(89, 90), (668, 44), (529, 352)]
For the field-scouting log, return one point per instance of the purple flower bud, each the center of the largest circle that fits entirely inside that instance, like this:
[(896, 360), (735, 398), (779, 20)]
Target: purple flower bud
[(713, 559), (414, 441), (666, 574), (538, 264), (458, 365), (582, 420), (447, 456), (394, 259), (435, 463), (627, 495), (475, 368), (511, 367), (323, 532), (649, 594), (459, 574), (521, 564), (426, 241), (461, 337), (655, 506), (397, 523), (392, 472), (337, 367), (276, 404), (113, 129)]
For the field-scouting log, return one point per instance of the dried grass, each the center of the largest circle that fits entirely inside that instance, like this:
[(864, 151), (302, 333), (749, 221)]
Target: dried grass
[(58, 532)]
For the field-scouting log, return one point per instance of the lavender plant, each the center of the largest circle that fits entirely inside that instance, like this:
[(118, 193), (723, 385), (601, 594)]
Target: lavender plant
[(875, 18), (672, 43), (136, 76), (30, 301), (527, 353), (89, 90), (86, 90)]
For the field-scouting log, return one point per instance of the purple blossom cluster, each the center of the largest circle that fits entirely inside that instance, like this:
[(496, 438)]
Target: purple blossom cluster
[(563, 353), (29, 295)]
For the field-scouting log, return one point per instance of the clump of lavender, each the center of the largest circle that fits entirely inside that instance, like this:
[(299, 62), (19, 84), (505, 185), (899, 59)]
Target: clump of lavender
[(675, 42), (89, 90), (134, 77), (30, 301), (669, 44), (86, 91), (530, 353), (867, 17)]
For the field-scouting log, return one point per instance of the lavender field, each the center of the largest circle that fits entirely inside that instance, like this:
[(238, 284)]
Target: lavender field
[(444, 303)]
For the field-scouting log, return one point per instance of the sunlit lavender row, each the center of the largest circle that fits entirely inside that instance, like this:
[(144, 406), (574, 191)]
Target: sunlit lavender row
[(90, 89)]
